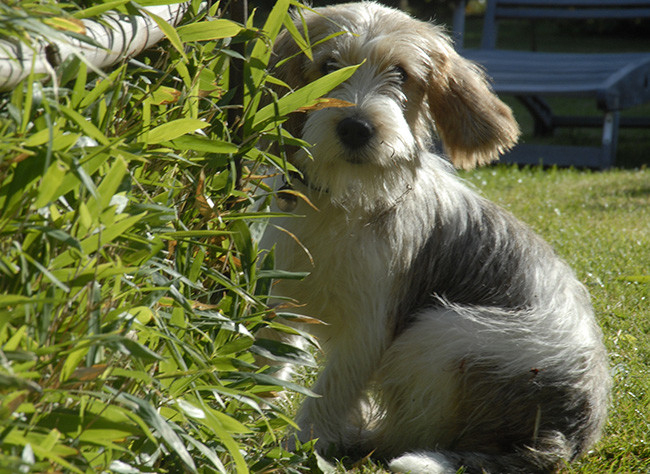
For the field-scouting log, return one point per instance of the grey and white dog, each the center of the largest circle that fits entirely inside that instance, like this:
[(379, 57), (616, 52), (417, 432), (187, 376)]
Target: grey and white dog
[(454, 335)]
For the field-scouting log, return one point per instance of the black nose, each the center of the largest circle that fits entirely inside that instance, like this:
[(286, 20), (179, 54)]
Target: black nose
[(355, 132)]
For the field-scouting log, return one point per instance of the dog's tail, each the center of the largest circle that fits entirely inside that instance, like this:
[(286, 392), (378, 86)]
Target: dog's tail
[(446, 462)]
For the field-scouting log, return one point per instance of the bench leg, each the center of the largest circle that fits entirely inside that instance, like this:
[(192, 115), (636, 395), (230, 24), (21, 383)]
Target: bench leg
[(459, 25), (611, 124), (541, 112)]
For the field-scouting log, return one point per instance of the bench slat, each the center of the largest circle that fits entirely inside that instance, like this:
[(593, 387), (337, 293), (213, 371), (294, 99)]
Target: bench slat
[(575, 3), (566, 74), (560, 155), (572, 14)]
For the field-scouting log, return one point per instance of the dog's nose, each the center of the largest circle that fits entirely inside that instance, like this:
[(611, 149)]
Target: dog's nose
[(355, 132)]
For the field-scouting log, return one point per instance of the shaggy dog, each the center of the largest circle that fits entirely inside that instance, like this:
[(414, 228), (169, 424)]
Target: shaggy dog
[(454, 335)]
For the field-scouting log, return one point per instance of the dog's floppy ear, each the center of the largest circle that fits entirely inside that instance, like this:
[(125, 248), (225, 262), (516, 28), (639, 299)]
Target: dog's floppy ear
[(473, 124)]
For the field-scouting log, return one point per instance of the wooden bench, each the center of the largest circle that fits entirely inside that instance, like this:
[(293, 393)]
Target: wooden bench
[(616, 82)]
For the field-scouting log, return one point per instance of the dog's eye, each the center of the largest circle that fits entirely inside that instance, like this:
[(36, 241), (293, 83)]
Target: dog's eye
[(400, 74), (330, 65)]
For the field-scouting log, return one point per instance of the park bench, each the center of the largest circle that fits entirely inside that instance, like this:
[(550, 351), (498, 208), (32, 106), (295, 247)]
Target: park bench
[(615, 82)]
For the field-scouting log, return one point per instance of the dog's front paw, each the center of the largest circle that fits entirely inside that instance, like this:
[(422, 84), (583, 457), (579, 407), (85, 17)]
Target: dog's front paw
[(422, 463)]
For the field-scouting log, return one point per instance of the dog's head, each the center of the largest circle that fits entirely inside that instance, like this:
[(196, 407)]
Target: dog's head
[(410, 83)]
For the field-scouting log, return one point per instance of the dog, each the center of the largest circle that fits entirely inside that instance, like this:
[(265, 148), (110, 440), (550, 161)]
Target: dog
[(454, 336)]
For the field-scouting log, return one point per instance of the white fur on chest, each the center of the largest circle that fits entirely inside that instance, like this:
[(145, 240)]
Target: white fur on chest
[(349, 264)]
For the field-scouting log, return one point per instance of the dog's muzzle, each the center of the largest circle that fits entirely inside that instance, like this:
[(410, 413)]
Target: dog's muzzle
[(355, 132)]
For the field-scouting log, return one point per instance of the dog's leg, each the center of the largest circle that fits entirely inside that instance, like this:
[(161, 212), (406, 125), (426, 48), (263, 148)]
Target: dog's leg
[(336, 418), (494, 390)]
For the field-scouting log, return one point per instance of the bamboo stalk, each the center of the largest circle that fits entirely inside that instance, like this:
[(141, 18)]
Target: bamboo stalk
[(239, 14)]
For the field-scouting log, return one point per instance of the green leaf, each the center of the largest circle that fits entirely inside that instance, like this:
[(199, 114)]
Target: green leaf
[(99, 423), (95, 241), (215, 421), (212, 456), (81, 171), (99, 9), (242, 237), (14, 342), (282, 274), (100, 89), (86, 126), (75, 277), (195, 269), (261, 51), (72, 362), (44, 446), (140, 351), (263, 286), (302, 97), (134, 374), (174, 129), (162, 426), (47, 190), (12, 383), (209, 30), (190, 410), (48, 274), (59, 235), (169, 32), (27, 108), (85, 218), (281, 352), (108, 187), (301, 41), (79, 88), (194, 234), (14, 300), (228, 422), (59, 139), (270, 381), (197, 143)]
